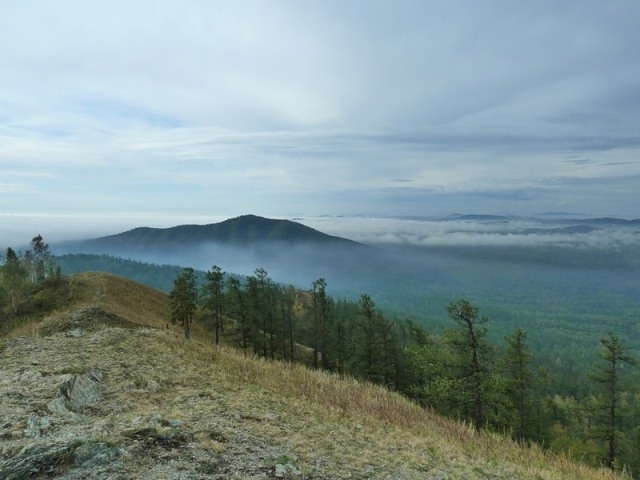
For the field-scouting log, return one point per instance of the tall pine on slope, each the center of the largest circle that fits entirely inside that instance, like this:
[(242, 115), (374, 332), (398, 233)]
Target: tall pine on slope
[(519, 379), (608, 374), (213, 298), (470, 342), (184, 300)]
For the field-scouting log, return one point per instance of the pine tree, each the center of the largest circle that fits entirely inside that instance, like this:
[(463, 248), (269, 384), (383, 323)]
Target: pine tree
[(288, 295), (266, 310), (519, 376), (13, 277), (213, 299), (319, 327), (237, 304), (472, 346), (42, 261), (184, 297), (615, 355), (370, 336)]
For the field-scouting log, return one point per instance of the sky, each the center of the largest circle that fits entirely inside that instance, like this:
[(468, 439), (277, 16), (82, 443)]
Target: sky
[(115, 114)]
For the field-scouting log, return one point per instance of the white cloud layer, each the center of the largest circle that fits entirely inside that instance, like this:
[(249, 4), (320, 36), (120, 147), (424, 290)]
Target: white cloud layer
[(516, 232), (282, 108)]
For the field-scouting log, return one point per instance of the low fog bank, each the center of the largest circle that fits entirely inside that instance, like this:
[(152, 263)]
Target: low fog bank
[(18, 229), (496, 232), (289, 263)]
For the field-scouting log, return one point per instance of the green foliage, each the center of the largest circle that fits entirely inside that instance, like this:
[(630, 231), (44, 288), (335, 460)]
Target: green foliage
[(607, 374), (160, 277), (320, 322), (519, 380), (212, 298), (473, 358), (21, 276), (184, 298)]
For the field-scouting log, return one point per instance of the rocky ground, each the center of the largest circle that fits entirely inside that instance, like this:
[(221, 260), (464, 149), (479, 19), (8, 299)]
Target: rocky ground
[(88, 394), (102, 398)]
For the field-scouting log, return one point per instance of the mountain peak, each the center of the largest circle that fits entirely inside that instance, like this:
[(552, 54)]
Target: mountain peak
[(243, 230)]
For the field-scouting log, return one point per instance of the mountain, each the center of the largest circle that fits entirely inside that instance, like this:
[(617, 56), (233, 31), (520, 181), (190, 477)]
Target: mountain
[(289, 251), (240, 231), (103, 387)]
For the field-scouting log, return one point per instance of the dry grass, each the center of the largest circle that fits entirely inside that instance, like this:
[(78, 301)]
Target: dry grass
[(127, 299), (339, 424), (375, 409)]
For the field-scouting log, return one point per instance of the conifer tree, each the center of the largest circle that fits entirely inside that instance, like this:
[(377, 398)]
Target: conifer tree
[(288, 295), (519, 377), (13, 276), (213, 299), (319, 327), (472, 347), (254, 313), (370, 333), (238, 305), (42, 262), (266, 310), (608, 374), (184, 297)]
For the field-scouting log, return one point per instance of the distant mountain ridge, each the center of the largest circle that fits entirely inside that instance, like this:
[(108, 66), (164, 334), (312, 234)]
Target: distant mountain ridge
[(242, 230)]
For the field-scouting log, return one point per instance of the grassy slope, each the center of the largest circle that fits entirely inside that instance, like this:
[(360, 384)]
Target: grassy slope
[(336, 427)]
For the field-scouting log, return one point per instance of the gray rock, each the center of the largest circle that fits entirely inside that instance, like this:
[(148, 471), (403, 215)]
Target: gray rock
[(287, 471), (37, 459), (82, 390), (33, 431), (75, 333), (58, 405), (95, 454), (152, 386)]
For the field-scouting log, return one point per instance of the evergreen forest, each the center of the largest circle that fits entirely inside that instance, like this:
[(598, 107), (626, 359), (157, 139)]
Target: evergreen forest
[(458, 367)]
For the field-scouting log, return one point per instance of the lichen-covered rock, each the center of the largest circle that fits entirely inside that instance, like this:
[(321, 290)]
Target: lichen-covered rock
[(287, 471), (37, 459), (93, 454), (82, 390)]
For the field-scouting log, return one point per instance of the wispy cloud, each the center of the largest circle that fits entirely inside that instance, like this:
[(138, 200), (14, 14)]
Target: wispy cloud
[(329, 107)]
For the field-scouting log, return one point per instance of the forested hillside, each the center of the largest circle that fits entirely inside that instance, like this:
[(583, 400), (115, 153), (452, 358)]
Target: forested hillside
[(177, 407), (457, 366), (497, 385)]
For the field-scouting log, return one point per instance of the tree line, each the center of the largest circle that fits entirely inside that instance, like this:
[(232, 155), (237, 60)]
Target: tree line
[(20, 272), (459, 373)]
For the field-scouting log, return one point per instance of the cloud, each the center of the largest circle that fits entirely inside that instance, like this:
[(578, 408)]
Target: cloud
[(501, 232), (331, 106)]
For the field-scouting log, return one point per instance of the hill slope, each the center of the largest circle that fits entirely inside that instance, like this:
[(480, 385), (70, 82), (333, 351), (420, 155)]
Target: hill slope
[(104, 388), (243, 230)]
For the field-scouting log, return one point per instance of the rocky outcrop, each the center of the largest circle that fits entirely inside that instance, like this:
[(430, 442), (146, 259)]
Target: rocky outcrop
[(38, 459), (82, 390), (74, 405)]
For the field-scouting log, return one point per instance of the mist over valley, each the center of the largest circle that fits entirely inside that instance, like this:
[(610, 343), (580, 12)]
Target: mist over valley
[(565, 280)]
